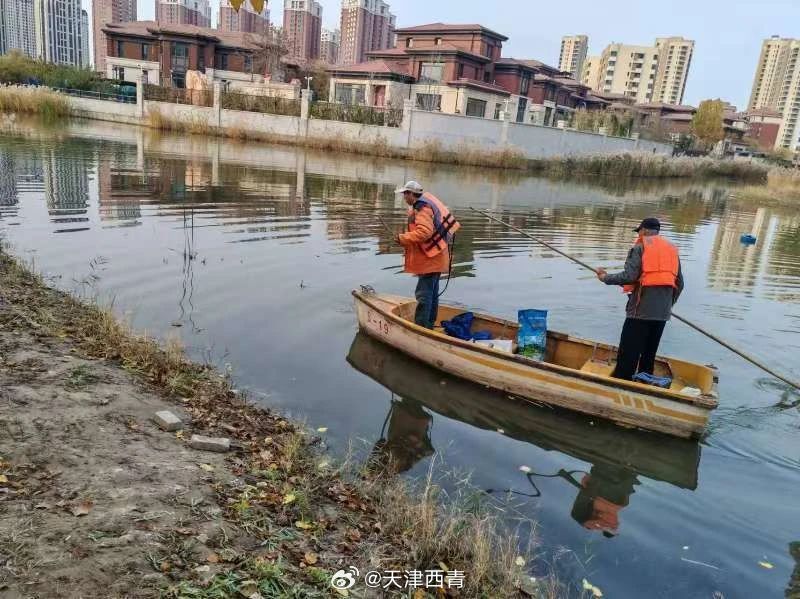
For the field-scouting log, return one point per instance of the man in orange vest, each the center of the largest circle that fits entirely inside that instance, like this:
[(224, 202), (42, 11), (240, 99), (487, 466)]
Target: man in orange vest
[(431, 227), (653, 280)]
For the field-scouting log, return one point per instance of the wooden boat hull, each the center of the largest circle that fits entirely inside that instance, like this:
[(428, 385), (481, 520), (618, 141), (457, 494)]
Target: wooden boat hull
[(652, 455), (626, 403)]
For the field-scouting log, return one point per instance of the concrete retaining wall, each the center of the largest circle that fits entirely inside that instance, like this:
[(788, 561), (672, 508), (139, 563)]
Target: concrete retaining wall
[(417, 129)]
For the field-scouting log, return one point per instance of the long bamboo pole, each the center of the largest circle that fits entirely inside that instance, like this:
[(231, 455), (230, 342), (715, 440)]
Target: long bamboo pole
[(696, 327)]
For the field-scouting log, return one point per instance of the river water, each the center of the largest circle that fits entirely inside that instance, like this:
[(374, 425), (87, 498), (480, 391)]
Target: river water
[(249, 253)]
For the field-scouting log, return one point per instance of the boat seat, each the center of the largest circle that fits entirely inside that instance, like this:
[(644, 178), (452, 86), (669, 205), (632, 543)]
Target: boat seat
[(599, 367)]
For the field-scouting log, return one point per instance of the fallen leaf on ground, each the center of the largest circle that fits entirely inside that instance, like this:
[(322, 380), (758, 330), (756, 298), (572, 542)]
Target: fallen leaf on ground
[(311, 558), (3, 478), (342, 592), (322, 429), (212, 558), (525, 469), (207, 467), (303, 525), (419, 594), (82, 508), (248, 588), (766, 565), (520, 561), (588, 586), (289, 498)]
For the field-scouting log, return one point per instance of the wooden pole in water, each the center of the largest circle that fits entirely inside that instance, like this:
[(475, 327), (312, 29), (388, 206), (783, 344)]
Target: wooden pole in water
[(696, 327)]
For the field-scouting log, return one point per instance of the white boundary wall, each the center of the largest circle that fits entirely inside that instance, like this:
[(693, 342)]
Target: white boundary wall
[(418, 129)]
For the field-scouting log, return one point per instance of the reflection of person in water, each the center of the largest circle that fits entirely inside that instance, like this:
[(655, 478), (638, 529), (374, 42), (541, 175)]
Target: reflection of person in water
[(603, 493), (405, 438), (793, 590)]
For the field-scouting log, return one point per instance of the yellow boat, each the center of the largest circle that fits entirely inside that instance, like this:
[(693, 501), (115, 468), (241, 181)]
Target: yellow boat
[(575, 373)]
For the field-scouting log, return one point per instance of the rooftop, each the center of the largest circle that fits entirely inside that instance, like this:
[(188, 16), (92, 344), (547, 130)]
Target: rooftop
[(450, 28), (247, 41), (665, 106), (372, 67)]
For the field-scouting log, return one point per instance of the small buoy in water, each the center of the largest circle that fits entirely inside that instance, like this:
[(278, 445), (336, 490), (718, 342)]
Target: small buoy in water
[(747, 239)]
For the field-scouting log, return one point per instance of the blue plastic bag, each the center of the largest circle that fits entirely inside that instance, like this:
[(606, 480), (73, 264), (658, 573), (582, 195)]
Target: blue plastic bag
[(648, 379), (460, 327), (532, 335)]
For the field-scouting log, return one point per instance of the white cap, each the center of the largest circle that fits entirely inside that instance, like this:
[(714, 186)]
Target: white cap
[(411, 186)]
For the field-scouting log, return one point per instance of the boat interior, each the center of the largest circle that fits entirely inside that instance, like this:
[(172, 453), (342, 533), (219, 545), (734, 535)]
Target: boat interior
[(582, 355)]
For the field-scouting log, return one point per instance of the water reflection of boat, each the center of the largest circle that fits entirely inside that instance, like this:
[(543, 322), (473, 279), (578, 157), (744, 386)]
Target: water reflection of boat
[(575, 373), (617, 456)]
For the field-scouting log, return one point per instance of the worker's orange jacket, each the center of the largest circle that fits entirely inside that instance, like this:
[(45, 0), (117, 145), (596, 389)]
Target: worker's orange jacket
[(431, 226), (660, 263)]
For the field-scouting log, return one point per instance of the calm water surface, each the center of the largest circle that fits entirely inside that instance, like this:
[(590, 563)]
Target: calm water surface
[(249, 254)]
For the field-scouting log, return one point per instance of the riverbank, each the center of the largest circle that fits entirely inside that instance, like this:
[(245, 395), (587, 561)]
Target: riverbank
[(97, 501)]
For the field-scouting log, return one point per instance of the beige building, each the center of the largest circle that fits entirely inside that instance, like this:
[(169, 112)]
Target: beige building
[(573, 54), (776, 86), (674, 59), (645, 73)]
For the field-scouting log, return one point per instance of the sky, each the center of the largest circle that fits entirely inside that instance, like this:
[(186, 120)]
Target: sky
[(727, 33)]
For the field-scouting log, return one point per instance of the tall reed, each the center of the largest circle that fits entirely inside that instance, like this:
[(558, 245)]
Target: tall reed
[(33, 100)]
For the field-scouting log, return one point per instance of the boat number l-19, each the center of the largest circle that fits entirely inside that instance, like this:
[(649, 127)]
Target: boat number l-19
[(378, 323)]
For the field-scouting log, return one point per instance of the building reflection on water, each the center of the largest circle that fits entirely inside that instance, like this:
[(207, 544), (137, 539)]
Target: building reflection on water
[(255, 203)]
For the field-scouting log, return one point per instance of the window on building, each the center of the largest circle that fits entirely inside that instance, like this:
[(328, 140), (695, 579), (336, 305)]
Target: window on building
[(221, 62), (437, 41), (201, 60), (431, 72), (476, 107), (145, 76), (145, 51), (180, 56), (498, 108), (119, 73), (179, 80), (521, 108), (248, 63), (429, 102), (409, 42), (350, 93), (460, 71), (487, 77), (120, 48), (524, 84)]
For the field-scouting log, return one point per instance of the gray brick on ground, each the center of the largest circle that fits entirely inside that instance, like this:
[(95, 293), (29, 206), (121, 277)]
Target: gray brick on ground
[(218, 444), (167, 421)]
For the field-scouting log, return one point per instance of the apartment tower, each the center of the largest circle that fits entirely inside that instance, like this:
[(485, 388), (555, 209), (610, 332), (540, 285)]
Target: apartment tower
[(645, 73), (245, 20), (329, 45), (573, 54), (59, 32), (366, 25), (302, 28), (183, 12), (674, 59), (104, 12), (86, 57), (776, 86), (17, 31)]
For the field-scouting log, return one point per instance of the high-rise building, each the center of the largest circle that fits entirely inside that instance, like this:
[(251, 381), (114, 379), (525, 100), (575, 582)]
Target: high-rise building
[(245, 20), (302, 28), (103, 13), (329, 45), (86, 57), (645, 73), (573, 54), (674, 60), (366, 25), (59, 32), (183, 12), (17, 31), (776, 86)]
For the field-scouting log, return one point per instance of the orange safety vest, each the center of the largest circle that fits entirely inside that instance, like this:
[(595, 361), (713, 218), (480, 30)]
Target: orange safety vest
[(660, 263), (444, 223)]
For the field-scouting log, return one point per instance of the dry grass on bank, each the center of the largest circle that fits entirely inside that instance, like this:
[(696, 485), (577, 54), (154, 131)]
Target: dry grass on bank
[(297, 518), (648, 165), (783, 187), (33, 100)]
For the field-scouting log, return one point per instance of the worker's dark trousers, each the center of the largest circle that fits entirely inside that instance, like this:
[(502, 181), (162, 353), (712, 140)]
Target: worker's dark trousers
[(638, 346), (427, 295)]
